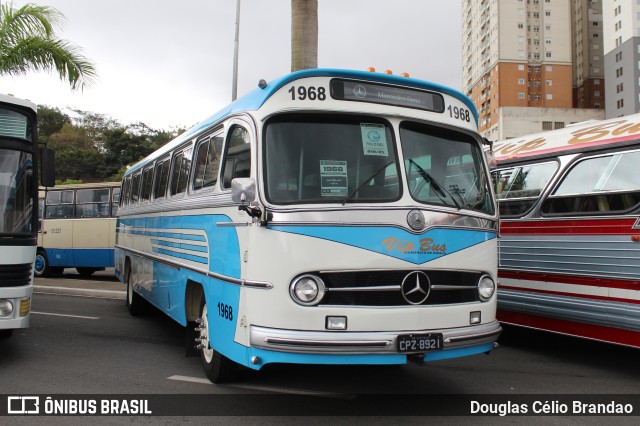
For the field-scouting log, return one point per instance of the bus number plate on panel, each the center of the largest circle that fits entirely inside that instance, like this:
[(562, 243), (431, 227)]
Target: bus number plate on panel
[(420, 342)]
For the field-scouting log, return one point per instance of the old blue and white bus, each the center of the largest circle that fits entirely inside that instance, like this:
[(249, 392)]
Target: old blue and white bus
[(327, 217)]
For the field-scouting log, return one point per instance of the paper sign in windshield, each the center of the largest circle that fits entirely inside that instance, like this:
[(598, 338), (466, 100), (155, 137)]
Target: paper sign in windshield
[(333, 177), (374, 139)]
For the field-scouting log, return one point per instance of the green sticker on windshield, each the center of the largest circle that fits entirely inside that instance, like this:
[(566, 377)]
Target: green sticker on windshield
[(374, 139)]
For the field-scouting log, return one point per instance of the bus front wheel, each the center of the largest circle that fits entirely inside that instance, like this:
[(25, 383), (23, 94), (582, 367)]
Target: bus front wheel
[(217, 367), (41, 266)]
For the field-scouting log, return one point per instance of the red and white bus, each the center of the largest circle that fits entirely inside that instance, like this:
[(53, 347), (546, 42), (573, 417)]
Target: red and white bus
[(570, 230)]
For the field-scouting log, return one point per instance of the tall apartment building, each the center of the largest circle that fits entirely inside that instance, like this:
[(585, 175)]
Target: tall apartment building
[(519, 54), (622, 56), (588, 57)]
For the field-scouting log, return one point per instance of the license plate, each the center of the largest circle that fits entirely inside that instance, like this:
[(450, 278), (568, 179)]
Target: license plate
[(420, 342)]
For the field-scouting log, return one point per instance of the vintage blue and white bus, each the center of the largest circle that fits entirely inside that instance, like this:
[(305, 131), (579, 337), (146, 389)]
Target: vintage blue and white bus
[(327, 217)]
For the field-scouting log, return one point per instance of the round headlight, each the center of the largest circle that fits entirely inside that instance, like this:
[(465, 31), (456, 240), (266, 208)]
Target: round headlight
[(486, 288), (307, 290), (6, 308)]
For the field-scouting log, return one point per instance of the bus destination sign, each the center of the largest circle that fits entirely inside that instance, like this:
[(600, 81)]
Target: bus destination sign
[(359, 91)]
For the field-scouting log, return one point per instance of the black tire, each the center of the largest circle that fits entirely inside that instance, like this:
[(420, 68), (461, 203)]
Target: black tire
[(55, 270), (41, 265), (85, 272), (5, 334), (134, 302), (217, 367)]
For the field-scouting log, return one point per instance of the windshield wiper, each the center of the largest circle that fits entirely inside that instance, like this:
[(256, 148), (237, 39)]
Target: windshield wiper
[(355, 191), (440, 191)]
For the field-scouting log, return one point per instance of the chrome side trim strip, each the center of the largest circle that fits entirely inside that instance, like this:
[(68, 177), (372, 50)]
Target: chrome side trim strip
[(232, 224), (177, 265), (608, 313)]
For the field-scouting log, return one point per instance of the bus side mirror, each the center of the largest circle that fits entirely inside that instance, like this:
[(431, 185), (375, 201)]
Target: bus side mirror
[(47, 167), (488, 153), (243, 190)]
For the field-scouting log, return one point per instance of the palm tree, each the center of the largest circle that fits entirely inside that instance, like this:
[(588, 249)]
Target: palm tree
[(28, 42), (304, 34)]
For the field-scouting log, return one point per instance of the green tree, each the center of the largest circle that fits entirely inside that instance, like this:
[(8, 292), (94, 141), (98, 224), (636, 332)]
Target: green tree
[(304, 34), (77, 157), (28, 42), (50, 121)]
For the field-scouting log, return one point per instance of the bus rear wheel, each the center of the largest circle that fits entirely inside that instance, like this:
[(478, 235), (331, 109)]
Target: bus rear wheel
[(85, 272), (217, 367), (134, 302)]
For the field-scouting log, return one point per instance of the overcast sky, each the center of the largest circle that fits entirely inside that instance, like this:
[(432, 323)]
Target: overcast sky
[(169, 63)]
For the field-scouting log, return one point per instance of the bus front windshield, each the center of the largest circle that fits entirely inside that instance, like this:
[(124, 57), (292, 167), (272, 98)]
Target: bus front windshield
[(330, 159), (16, 202), (354, 159)]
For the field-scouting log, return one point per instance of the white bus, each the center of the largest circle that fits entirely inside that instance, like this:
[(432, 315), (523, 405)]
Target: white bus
[(328, 217), (18, 197), (569, 202), (77, 228)]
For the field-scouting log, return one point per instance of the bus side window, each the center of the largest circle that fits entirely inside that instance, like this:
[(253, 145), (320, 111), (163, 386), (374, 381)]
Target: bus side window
[(124, 198), (161, 178), (115, 201), (135, 188), (180, 172), (59, 204), (237, 160), (207, 163), (92, 203), (147, 182), (602, 184)]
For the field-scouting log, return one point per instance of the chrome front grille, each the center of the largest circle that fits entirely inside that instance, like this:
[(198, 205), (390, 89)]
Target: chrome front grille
[(384, 288)]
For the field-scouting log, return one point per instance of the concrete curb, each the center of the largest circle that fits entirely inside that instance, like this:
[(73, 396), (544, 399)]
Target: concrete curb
[(86, 292)]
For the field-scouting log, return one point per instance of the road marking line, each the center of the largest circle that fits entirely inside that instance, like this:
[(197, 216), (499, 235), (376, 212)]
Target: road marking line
[(64, 315), (263, 388), (292, 391), (190, 379), (81, 295)]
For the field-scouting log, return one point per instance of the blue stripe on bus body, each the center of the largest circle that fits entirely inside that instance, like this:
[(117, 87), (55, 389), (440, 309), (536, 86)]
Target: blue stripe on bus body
[(198, 259), (174, 235), (222, 242), (84, 257), (201, 249), (393, 242)]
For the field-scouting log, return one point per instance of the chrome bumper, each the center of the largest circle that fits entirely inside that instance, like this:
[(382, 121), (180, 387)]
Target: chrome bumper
[(381, 342)]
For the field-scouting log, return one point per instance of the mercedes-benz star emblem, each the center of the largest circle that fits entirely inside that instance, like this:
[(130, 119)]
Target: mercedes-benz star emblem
[(359, 91), (415, 219), (416, 287)]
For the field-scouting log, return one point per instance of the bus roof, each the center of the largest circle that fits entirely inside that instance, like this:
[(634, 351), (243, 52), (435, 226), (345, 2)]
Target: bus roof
[(255, 99), (580, 137), (10, 99)]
